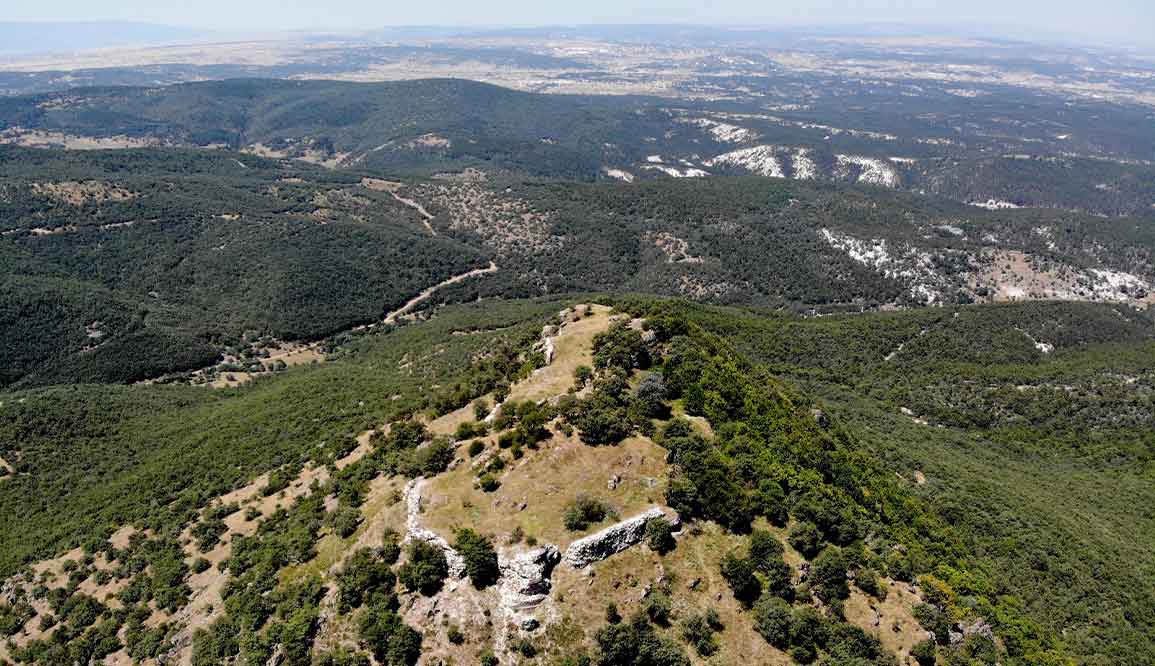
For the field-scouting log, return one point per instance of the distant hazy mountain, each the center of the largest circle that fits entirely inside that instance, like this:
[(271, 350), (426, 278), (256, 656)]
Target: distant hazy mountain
[(76, 36)]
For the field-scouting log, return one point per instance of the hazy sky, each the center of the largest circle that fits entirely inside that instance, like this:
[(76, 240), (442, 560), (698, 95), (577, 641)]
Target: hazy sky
[(1091, 21)]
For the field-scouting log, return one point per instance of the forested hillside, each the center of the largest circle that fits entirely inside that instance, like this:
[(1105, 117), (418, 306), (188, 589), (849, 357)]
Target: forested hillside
[(943, 145), (120, 266), (127, 265)]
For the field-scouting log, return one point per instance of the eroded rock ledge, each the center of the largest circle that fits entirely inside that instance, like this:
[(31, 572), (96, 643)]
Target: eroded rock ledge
[(615, 538)]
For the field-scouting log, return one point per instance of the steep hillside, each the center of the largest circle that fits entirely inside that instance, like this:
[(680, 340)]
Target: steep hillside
[(602, 490), (1027, 425), (126, 265)]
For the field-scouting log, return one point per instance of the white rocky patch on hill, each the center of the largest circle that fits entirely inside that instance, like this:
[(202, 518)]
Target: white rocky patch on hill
[(619, 174), (1118, 286), (761, 160), (910, 265), (723, 132), (870, 170), (674, 172), (994, 204), (804, 166)]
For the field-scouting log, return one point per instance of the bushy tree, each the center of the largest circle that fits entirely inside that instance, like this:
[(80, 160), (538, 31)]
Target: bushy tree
[(604, 416), (620, 347), (391, 641), (807, 629), (480, 558), (772, 620), (403, 435), (584, 511), (847, 642), (657, 607), (344, 520), (698, 631), (659, 536), (650, 396), (739, 575), (582, 376), (425, 569), (828, 575), (770, 501), (433, 458), (805, 539), (341, 657), (363, 574), (390, 550), (924, 652), (869, 582), (636, 643), (765, 549)]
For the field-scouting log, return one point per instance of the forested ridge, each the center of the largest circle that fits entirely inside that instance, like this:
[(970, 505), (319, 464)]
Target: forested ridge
[(924, 445)]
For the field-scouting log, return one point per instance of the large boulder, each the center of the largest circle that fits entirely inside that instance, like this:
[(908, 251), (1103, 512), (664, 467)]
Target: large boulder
[(615, 538), (525, 577)]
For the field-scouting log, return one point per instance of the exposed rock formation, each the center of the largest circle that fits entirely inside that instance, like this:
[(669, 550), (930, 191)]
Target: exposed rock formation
[(546, 345), (525, 577), (977, 627), (615, 538), (414, 531)]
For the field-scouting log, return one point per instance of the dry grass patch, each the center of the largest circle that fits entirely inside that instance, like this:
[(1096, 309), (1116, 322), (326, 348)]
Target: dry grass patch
[(692, 572), (546, 481), (447, 424), (891, 621), (573, 347)]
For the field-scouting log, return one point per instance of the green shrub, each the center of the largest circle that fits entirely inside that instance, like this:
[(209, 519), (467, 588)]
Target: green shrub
[(584, 511), (698, 631), (476, 447), (924, 652), (806, 539), (659, 536), (480, 558), (869, 582), (612, 614), (657, 606), (433, 458), (344, 521), (470, 429), (488, 482), (636, 643), (828, 575), (620, 347), (772, 621), (340, 657), (390, 550), (208, 533), (425, 569), (739, 575), (765, 549), (364, 573), (650, 397), (583, 375), (391, 641), (453, 635)]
